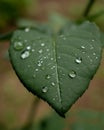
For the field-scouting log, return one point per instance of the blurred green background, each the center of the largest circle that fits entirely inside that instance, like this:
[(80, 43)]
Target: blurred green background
[(15, 101)]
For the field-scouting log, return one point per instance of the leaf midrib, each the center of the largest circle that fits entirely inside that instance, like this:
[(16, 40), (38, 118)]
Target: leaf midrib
[(57, 76)]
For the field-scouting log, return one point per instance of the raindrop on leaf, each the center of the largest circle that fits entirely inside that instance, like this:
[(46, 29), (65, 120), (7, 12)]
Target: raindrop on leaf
[(44, 89), (72, 74), (18, 45)]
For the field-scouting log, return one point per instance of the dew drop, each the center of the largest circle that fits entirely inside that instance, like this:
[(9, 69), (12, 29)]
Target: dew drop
[(25, 54), (78, 60), (34, 76), (44, 89), (64, 38), (72, 74), (42, 68), (53, 99), (48, 76), (42, 44), (39, 64), (53, 84), (51, 58), (28, 47), (36, 69), (32, 50), (83, 47), (59, 57), (93, 40), (40, 51), (47, 49), (27, 29), (94, 54), (18, 45)]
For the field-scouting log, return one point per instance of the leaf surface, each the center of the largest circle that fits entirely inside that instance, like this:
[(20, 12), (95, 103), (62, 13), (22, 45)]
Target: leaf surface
[(57, 69)]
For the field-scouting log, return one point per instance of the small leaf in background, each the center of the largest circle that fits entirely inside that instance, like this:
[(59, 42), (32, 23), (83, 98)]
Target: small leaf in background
[(58, 68), (87, 120)]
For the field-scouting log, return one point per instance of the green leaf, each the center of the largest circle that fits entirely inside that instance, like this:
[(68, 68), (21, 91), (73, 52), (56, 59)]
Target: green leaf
[(102, 38), (57, 69)]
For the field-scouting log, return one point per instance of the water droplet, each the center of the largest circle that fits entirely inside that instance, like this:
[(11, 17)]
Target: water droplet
[(91, 47), (42, 68), (53, 67), (64, 38), (96, 57), (48, 76), (25, 40), (34, 76), (72, 74), (32, 50), (53, 99), (51, 58), (53, 84), (36, 69), (93, 40), (28, 47), (27, 29), (40, 51), (61, 35), (39, 64), (25, 54), (59, 57), (42, 44), (94, 54), (28, 66), (18, 45), (47, 49), (83, 47), (44, 89), (78, 60)]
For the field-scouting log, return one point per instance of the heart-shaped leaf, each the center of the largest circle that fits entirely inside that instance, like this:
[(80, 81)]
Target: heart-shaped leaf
[(57, 69)]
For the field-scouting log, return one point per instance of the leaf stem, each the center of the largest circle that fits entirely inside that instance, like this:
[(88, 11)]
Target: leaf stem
[(32, 113), (88, 8)]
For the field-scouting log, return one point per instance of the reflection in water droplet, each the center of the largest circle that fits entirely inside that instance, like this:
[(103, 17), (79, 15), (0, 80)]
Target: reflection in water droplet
[(72, 74), (78, 60), (48, 76), (18, 45), (27, 29), (25, 54), (28, 47), (42, 44), (44, 89)]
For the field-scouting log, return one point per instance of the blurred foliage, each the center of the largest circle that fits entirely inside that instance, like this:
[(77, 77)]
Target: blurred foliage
[(11, 10), (51, 122), (87, 120)]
